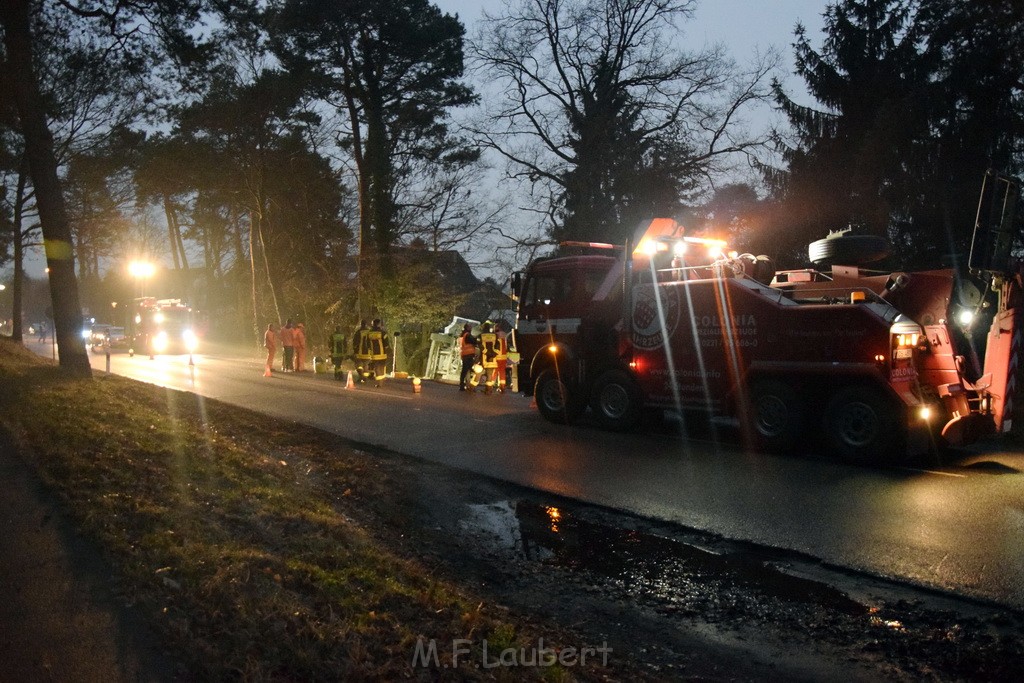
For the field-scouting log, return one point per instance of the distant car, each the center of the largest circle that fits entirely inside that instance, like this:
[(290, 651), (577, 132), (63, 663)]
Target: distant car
[(96, 334), (87, 328), (113, 339)]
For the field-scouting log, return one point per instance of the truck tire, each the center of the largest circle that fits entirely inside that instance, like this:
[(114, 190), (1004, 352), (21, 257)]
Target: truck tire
[(777, 414), (862, 426), (616, 401), (848, 250), (557, 401)]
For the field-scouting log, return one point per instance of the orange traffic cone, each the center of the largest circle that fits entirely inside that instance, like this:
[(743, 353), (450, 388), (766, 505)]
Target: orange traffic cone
[(350, 383)]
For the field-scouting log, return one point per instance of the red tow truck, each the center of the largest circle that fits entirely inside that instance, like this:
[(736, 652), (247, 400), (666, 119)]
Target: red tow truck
[(871, 365)]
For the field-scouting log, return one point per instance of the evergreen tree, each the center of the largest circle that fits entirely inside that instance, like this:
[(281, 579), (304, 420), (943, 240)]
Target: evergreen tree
[(393, 69), (977, 120), (848, 165), (916, 100)]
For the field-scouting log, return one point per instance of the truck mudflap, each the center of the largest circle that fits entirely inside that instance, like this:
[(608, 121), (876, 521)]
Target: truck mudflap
[(964, 430)]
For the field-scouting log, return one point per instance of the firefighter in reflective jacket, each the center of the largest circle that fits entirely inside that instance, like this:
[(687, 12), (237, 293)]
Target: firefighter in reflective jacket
[(361, 348), (467, 351), (502, 358), (337, 350), (379, 345), (489, 352)]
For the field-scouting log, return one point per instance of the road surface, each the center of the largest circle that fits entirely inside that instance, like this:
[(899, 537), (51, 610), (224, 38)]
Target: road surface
[(958, 528)]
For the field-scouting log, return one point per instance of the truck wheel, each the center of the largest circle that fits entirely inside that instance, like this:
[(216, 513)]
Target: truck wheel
[(862, 425), (777, 414), (557, 401), (616, 401)]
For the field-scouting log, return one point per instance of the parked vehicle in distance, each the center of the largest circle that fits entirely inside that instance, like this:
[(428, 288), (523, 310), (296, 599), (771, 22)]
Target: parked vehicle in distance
[(162, 326), (112, 339), (96, 333)]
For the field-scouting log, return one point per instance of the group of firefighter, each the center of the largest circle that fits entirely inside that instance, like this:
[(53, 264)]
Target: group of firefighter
[(370, 350), (484, 357)]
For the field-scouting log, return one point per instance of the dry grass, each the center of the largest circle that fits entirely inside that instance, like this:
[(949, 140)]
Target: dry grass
[(237, 533)]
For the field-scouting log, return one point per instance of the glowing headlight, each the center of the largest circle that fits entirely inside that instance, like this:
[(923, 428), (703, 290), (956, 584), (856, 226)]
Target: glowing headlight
[(158, 317), (680, 248), (160, 342), (552, 348), (925, 413), (86, 334), (907, 340), (966, 317), (191, 340)]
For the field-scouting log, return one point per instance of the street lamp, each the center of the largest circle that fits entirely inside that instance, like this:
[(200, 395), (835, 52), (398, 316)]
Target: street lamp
[(141, 270)]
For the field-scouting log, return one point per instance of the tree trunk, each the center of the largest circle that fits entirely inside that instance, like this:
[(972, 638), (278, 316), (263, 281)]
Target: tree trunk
[(18, 283), (363, 186), (266, 268), (256, 322), (67, 312), (172, 228)]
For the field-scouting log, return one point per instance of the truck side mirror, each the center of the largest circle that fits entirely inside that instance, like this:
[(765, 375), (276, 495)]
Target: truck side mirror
[(517, 285), (994, 226)]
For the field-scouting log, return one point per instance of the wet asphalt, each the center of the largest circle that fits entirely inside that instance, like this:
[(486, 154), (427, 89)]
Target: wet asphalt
[(956, 526)]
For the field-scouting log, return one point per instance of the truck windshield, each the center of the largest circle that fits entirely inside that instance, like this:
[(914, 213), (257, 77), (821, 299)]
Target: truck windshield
[(544, 289)]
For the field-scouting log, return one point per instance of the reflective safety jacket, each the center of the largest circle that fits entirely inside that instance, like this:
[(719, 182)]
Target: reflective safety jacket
[(337, 344), (489, 350), (467, 345), (362, 344), (287, 336), (502, 347), (377, 344)]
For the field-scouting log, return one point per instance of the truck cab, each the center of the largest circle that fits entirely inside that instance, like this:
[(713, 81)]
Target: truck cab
[(163, 326), (560, 298)]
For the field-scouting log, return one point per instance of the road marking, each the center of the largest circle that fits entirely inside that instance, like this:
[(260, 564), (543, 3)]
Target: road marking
[(941, 474)]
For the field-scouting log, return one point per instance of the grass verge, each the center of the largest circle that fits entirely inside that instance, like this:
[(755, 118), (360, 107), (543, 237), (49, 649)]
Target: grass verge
[(249, 543)]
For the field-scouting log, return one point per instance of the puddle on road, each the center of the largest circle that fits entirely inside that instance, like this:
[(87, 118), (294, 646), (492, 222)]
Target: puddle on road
[(639, 563)]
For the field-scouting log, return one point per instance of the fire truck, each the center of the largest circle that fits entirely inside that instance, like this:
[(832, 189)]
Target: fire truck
[(869, 365), (162, 326)]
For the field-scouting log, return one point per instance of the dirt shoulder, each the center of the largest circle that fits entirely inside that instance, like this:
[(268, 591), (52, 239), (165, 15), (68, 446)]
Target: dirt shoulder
[(258, 549)]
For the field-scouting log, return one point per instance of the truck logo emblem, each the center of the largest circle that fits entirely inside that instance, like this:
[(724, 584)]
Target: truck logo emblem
[(647, 332)]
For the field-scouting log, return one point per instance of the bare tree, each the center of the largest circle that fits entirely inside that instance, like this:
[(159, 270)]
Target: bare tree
[(603, 115)]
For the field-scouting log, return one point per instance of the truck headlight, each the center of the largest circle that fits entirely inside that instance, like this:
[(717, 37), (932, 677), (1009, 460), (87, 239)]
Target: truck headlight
[(160, 342), (191, 340), (905, 341)]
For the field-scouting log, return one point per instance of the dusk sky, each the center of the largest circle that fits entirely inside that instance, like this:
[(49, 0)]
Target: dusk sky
[(742, 25)]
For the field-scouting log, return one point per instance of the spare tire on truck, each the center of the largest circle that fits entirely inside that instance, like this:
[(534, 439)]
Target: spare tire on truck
[(842, 248)]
